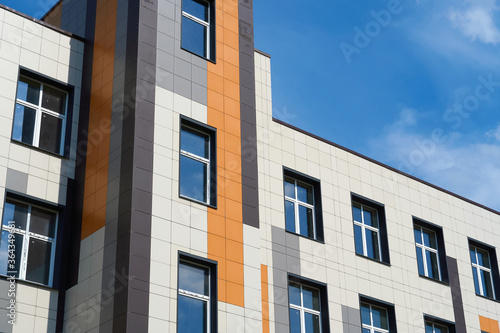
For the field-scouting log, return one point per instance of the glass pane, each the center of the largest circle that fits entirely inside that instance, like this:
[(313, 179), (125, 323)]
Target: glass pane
[(473, 256), (54, 100), (310, 297), (50, 133), (372, 249), (305, 192), (483, 258), (418, 235), (38, 267), (370, 217), (195, 142), (194, 278), (17, 212), (356, 212), (193, 179), (295, 321), (380, 318), (294, 293), (432, 262), (420, 260), (15, 254), (428, 328), (486, 281), (476, 281), (192, 315), (365, 314), (43, 222), (289, 187), (358, 237), (194, 37), (197, 8), (311, 322), (365, 330), (24, 124), (306, 221), (440, 329), (28, 90), (430, 239), (289, 216)]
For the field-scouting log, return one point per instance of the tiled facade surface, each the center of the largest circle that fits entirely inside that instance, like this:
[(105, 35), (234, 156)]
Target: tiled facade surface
[(335, 263), (29, 171)]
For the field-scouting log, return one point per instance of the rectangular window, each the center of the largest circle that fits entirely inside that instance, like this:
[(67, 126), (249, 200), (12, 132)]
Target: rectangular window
[(197, 295), (303, 214), (308, 306), (40, 114), (370, 233), (377, 316), (198, 28), (431, 255), (484, 269), (28, 242), (434, 325), (197, 171)]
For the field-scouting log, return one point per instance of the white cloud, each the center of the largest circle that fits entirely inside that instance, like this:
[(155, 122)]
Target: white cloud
[(495, 133), (464, 165), (477, 21)]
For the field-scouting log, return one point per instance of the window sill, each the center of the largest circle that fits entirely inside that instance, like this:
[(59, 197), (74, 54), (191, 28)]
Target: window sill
[(488, 298), (197, 201), (27, 282), (305, 237), (199, 56), (39, 149), (444, 283), (374, 260)]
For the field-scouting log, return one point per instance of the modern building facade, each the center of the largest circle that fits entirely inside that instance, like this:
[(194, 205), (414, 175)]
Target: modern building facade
[(146, 187)]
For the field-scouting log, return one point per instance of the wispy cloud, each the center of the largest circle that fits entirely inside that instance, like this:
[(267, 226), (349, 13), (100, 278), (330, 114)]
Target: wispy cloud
[(477, 20), (463, 164)]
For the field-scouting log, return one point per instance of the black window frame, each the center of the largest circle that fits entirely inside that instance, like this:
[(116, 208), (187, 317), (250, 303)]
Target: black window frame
[(434, 320), (212, 170), (189, 258), (68, 119), (323, 293), (441, 248), (318, 210), (495, 276), (211, 33), (389, 307), (383, 236)]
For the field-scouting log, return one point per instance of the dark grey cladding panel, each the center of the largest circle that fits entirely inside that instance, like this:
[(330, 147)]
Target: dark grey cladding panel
[(74, 16), (456, 295)]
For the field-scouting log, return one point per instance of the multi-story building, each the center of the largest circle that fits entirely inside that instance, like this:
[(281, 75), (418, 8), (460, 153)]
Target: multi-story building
[(146, 187)]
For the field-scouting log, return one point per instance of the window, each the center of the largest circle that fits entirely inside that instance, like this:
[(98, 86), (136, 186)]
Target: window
[(484, 269), (369, 229), (40, 114), (377, 316), (197, 295), (308, 306), (29, 253), (198, 28), (197, 162), (431, 256), (302, 205), (434, 325)]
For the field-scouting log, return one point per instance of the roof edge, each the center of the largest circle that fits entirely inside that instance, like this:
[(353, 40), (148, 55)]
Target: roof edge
[(50, 10), (263, 53), (385, 166)]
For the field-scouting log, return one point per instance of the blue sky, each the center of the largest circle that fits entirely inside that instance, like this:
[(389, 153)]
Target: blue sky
[(414, 84)]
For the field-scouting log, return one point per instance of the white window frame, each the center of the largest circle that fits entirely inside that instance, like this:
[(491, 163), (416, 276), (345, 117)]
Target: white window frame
[(303, 309), (480, 268), (427, 248), (427, 323), (197, 296), (364, 227), (40, 110), (372, 328), (198, 158), (296, 202), (26, 234), (202, 22)]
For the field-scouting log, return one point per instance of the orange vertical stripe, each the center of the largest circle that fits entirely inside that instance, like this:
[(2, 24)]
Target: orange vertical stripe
[(265, 299), (225, 224), (96, 170)]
